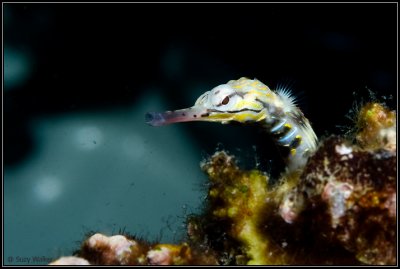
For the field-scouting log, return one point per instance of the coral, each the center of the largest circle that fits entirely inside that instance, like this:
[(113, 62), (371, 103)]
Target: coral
[(376, 127), (350, 190), (341, 209), (239, 197), (243, 225), (164, 254), (123, 250), (117, 249), (351, 194)]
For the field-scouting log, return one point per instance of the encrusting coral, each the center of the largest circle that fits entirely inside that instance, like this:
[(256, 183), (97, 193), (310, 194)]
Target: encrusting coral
[(340, 210), (376, 127), (349, 196), (348, 192), (238, 198), (125, 250)]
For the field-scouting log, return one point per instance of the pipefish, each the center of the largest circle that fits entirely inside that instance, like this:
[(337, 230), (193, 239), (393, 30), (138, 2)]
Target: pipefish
[(249, 100)]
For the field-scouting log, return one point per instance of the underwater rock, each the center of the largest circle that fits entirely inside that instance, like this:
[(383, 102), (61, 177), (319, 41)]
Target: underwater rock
[(242, 223), (341, 209), (351, 193), (100, 249), (350, 189), (113, 250)]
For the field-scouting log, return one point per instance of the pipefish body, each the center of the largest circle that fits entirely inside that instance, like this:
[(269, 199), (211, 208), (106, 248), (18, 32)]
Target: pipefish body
[(246, 100)]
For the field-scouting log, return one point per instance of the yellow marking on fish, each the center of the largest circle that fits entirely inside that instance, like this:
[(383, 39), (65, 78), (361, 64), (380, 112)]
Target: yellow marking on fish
[(246, 117), (254, 84), (252, 104)]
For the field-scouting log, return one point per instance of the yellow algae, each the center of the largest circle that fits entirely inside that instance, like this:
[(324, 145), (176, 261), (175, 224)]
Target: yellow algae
[(376, 126), (242, 198)]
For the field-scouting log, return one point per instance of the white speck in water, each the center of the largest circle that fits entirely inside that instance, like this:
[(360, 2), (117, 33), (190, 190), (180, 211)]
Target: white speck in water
[(88, 137), (47, 189)]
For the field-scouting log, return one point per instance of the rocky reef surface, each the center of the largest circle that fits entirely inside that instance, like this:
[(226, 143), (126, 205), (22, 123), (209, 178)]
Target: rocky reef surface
[(341, 209)]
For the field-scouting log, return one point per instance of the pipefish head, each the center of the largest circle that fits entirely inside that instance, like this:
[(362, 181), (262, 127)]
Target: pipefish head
[(238, 100)]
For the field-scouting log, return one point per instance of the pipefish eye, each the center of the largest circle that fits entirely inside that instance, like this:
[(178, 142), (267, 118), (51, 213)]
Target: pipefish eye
[(225, 101)]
